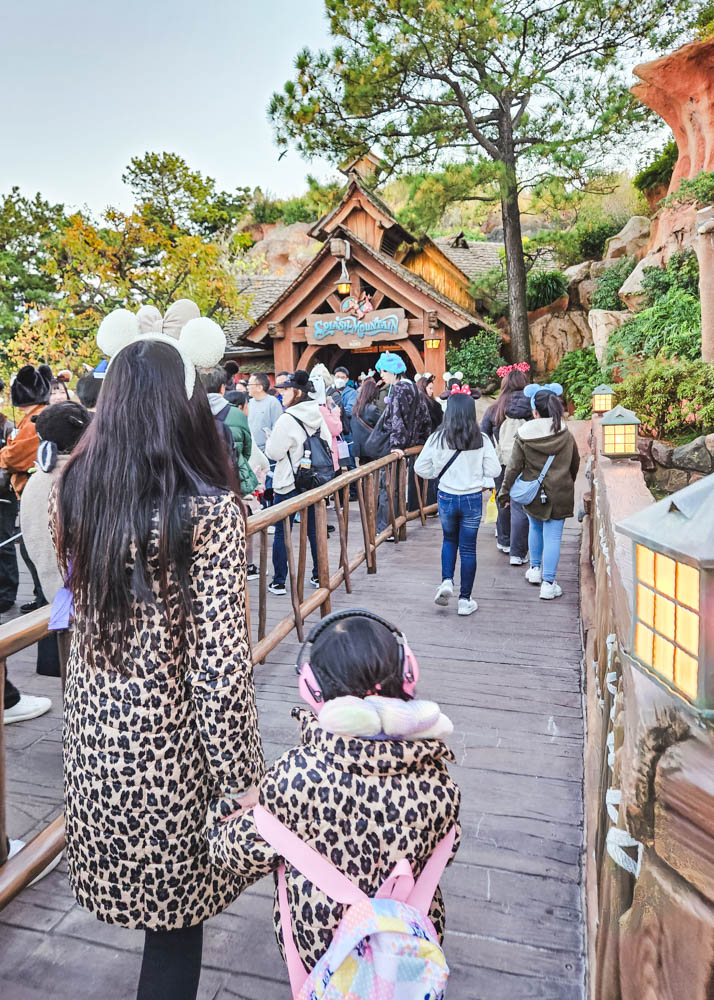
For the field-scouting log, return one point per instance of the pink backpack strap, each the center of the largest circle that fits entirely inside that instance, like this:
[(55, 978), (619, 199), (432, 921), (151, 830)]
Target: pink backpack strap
[(426, 885), (296, 970)]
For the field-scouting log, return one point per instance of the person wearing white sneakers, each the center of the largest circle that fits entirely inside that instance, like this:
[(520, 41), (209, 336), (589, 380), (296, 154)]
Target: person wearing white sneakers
[(544, 447), (464, 464)]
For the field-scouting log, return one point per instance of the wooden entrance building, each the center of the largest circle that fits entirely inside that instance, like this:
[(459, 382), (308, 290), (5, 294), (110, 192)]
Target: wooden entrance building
[(417, 300)]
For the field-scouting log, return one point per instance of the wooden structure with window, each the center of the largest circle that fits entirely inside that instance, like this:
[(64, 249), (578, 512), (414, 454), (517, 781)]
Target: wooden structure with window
[(371, 287)]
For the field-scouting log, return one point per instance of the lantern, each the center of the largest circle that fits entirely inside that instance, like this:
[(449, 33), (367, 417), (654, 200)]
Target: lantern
[(619, 433), (603, 399), (344, 285), (433, 343), (673, 602)]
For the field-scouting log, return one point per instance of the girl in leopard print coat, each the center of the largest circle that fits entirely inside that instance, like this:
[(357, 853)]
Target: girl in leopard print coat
[(355, 788)]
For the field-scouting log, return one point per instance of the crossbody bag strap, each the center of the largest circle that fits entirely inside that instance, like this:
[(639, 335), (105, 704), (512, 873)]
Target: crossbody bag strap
[(448, 465), (548, 463)]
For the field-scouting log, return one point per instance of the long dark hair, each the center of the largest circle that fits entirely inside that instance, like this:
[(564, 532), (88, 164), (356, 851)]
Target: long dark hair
[(515, 381), (357, 656), (549, 405), (368, 392), (124, 498), (460, 429)]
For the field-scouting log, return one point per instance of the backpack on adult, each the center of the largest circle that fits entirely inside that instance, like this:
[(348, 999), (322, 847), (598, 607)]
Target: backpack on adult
[(316, 467), (384, 946), (506, 438)]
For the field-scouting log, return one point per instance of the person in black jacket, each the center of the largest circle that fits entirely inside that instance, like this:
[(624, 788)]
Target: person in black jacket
[(365, 415), (425, 384), (501, 422)]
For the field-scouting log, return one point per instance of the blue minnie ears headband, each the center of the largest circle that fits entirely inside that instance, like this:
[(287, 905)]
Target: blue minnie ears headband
[(531, 390)]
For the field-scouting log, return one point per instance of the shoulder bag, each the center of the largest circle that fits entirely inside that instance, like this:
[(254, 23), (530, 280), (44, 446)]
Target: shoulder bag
[(524, 491)]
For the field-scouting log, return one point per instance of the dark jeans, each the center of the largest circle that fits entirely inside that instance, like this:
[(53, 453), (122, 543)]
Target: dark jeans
[(280, 554), (460, 519), (383, 500), (512, 524), (9, 577), (36, 585), (171, 966)]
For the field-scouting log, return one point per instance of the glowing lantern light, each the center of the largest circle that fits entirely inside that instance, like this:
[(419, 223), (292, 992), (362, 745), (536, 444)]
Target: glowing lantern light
[(603, 399), (673, 601), (619, 433)]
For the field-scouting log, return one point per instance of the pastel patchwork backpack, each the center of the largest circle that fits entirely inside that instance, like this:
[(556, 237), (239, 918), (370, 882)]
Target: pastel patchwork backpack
[(386, 947)]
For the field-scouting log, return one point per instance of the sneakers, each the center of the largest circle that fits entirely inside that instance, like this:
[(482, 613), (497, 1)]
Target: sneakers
[(548, 591), (252, 572), (30, 606), (315, 581), (28, 707), (534, 575), (503, 548), (17, 845), (467, 606), (444, 593), (517, 560), (277, 588)]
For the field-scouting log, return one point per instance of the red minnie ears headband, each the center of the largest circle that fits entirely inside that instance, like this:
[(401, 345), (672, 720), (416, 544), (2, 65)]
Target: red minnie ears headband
[(461, 389), (522, 366)]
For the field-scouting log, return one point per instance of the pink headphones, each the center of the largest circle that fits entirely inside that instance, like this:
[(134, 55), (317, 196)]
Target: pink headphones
[(307, 683)]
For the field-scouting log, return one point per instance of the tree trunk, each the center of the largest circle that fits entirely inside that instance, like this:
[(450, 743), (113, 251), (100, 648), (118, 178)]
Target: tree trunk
[(515, 265)]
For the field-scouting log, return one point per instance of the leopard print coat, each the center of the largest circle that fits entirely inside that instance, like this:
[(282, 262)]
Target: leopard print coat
[(151, 758), (363, 804)]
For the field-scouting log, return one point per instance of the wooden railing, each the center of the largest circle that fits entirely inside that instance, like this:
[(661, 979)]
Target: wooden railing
[(16, 635)]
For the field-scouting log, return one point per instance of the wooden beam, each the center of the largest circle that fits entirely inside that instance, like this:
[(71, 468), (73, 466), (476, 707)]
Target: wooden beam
[(281, 312), (334, 302)]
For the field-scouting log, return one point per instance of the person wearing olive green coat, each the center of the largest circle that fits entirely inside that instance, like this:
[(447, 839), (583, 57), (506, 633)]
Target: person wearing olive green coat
[(214, 382)]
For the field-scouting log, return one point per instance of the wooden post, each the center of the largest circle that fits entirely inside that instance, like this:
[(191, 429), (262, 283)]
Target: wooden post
[(302, 556), (344, 559), (287, 532), (263, 584), (366, 534), (403, 483), (392, 481), (323, 563)]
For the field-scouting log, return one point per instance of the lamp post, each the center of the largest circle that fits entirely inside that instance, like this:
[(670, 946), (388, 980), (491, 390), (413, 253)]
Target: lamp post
[(673, 579), (603, 399), (433, 343), (619, 433)]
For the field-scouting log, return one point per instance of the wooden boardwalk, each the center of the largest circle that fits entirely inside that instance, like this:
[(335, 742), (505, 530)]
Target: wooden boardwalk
[(509, 677)]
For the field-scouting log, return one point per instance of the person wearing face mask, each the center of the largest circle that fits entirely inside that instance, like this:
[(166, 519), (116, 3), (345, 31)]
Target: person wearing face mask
[(344, 395)]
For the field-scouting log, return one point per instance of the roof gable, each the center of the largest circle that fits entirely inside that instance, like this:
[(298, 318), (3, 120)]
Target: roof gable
[(359, 199)]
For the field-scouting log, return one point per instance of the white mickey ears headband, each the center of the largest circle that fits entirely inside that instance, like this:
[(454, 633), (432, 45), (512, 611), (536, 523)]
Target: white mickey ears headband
[(199, 340), (447, 376)]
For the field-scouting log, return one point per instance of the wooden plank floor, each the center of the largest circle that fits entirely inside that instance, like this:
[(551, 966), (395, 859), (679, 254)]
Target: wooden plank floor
[(509, 677)]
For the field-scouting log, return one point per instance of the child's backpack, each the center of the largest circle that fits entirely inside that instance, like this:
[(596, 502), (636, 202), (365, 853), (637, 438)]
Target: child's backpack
[(316, 467), (385, 946), (506, 438)]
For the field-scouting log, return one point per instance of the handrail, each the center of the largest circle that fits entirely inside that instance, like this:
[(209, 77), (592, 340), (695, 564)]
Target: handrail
[(16, 635)]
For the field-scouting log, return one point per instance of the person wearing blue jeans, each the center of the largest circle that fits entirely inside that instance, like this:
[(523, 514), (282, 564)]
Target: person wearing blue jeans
[(280, 553), (463, 462), (544, 538), (460, 517)]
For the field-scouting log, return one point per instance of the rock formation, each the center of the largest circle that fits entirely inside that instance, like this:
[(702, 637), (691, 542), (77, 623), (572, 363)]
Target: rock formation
[(553, 334), (602, 322), (631, 240), (286, 249)]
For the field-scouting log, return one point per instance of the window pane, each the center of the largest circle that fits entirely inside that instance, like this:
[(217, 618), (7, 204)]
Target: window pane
[(645, 565), (663, 660), (688, 586), (664, 574), (688, 630), (643, 644), (686, 673), (645, 604), (664, 616)]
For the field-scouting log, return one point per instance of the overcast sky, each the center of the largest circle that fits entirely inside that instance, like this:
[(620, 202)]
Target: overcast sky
[(87, 84)]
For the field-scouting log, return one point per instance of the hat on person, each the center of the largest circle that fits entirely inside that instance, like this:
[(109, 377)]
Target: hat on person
[(392, 363), (30, 387), (533, 389), (319, 393), (199, 340), (327, 377), (297, 380), (341, 368)]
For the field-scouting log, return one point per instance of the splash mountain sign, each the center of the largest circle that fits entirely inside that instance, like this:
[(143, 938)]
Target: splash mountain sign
[(350, 331)]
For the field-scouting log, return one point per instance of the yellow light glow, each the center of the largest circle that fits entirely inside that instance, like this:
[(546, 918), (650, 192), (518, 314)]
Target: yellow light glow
[(665, 574), (664, 617), (645, 565), (619, 440), (344, 287), (688, 586), (602, 402), (688, 630), (433, 343), (645, 604), (663, 657), (644, 638), (686, 673)]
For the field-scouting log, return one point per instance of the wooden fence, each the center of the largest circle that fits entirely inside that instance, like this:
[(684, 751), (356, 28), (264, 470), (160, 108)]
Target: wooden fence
[(19, 871)]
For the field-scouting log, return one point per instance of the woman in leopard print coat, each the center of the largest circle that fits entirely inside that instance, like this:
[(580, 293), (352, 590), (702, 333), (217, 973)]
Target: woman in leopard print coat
[(160, 721)]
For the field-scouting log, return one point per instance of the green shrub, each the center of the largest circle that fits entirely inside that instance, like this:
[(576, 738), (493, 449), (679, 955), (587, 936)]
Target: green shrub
[(544, 287), (579, 373), (672, 326), (670, 397), (585, 240), (491, 292), (477, 357), (681, 272), (658, 171), (605, 295), (699, 189)]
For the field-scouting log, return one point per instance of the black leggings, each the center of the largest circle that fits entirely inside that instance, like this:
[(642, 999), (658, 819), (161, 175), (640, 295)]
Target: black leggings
[(171, 966)]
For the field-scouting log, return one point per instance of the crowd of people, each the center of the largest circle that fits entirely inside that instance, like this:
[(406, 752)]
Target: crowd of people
[(132, 492)]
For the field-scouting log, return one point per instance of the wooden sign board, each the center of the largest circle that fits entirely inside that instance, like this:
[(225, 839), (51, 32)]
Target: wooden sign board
[(351, 331)]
